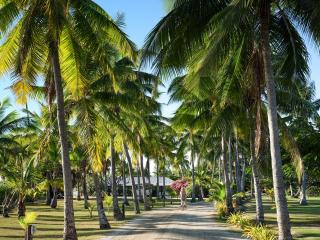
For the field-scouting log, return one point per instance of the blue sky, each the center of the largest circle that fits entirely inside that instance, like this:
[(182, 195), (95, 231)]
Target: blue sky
[(140, 17)]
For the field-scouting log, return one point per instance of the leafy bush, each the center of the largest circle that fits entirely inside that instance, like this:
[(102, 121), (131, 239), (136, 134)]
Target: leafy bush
[(108, 201), (28, 219), (270, 193), (217, 192), (313, 191), (5, 188), (259, 232), (239, 219), (90, 208), (221, 209)]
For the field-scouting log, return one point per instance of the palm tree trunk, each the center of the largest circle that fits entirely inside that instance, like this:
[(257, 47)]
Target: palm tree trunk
[(291, 188), (21, 207), (303, 192), (256, 182), (164, 183), (284, 228), (139, 184), (117, 214), (49, 193), (243, 174), (84, 183), (220, 170), (226, 175), (54, 200), (70, 232), (124, 184), (134, 191), (78, 190), (193, 177), (144, 190), (103, 221), (230, 161), (149, 180), (158, 188), (237, 168)]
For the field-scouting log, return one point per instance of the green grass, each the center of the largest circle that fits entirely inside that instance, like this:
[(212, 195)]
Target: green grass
[(50, 221), (305, 220)]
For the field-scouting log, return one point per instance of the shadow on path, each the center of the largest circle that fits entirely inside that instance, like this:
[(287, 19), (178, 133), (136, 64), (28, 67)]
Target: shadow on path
[(196, 222)]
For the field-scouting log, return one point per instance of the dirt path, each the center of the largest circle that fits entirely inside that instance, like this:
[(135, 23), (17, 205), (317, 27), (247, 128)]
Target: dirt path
[(196, 222)]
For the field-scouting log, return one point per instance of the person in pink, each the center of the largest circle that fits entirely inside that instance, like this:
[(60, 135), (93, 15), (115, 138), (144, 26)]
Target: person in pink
[(183, 198)]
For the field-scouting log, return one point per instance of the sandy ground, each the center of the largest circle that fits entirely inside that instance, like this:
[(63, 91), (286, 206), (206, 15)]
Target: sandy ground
[(196, 222)]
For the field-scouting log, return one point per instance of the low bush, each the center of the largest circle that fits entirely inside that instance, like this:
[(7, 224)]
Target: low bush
[(108, 201), (91, 207), (221, 209), (28, 219), (259, 232), (5, 188), (239, 219)]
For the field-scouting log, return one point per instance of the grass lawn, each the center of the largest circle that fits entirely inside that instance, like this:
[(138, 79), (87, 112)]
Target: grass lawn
[(305, 220), (50, 221)]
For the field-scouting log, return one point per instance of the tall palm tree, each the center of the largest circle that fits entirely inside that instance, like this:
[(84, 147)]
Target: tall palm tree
[(37, 31), (211, 24)]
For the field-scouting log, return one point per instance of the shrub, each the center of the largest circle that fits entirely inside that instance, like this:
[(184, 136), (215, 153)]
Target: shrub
[(259, 232), (5, 188), (28, 219), (270, 193), (239, 219), (90, 208), (108, 201), (221, 209)]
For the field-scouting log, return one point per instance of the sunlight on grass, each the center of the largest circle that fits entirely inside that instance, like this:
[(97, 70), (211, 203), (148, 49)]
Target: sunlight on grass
[(305, 220), (49, 223)]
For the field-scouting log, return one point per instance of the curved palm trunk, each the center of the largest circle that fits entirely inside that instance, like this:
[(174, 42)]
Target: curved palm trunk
[(134, 191), (303, 192), (117, 214), (103, 221), (284, 228), (84, 183), (70, 232), (226, 175)]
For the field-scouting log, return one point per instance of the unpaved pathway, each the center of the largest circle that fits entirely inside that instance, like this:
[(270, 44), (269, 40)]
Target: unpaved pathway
[(171, 223)]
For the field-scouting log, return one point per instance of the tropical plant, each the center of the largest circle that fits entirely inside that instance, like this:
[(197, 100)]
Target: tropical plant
[(108, 201), (239, 219), (48, 38), (173, 47), (91, 208), (259, 232)]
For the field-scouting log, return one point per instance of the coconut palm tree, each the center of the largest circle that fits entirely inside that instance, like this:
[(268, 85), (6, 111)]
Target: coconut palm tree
[(173, 43), (46, 37)]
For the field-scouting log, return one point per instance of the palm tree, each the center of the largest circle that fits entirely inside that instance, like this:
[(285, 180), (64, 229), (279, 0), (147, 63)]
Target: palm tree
[(211, 24), (40, 30)]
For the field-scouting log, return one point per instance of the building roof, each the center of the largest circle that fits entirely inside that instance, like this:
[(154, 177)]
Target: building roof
[(153, 181)]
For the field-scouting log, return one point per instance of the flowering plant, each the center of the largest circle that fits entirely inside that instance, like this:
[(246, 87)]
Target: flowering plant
[(178, 184)]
